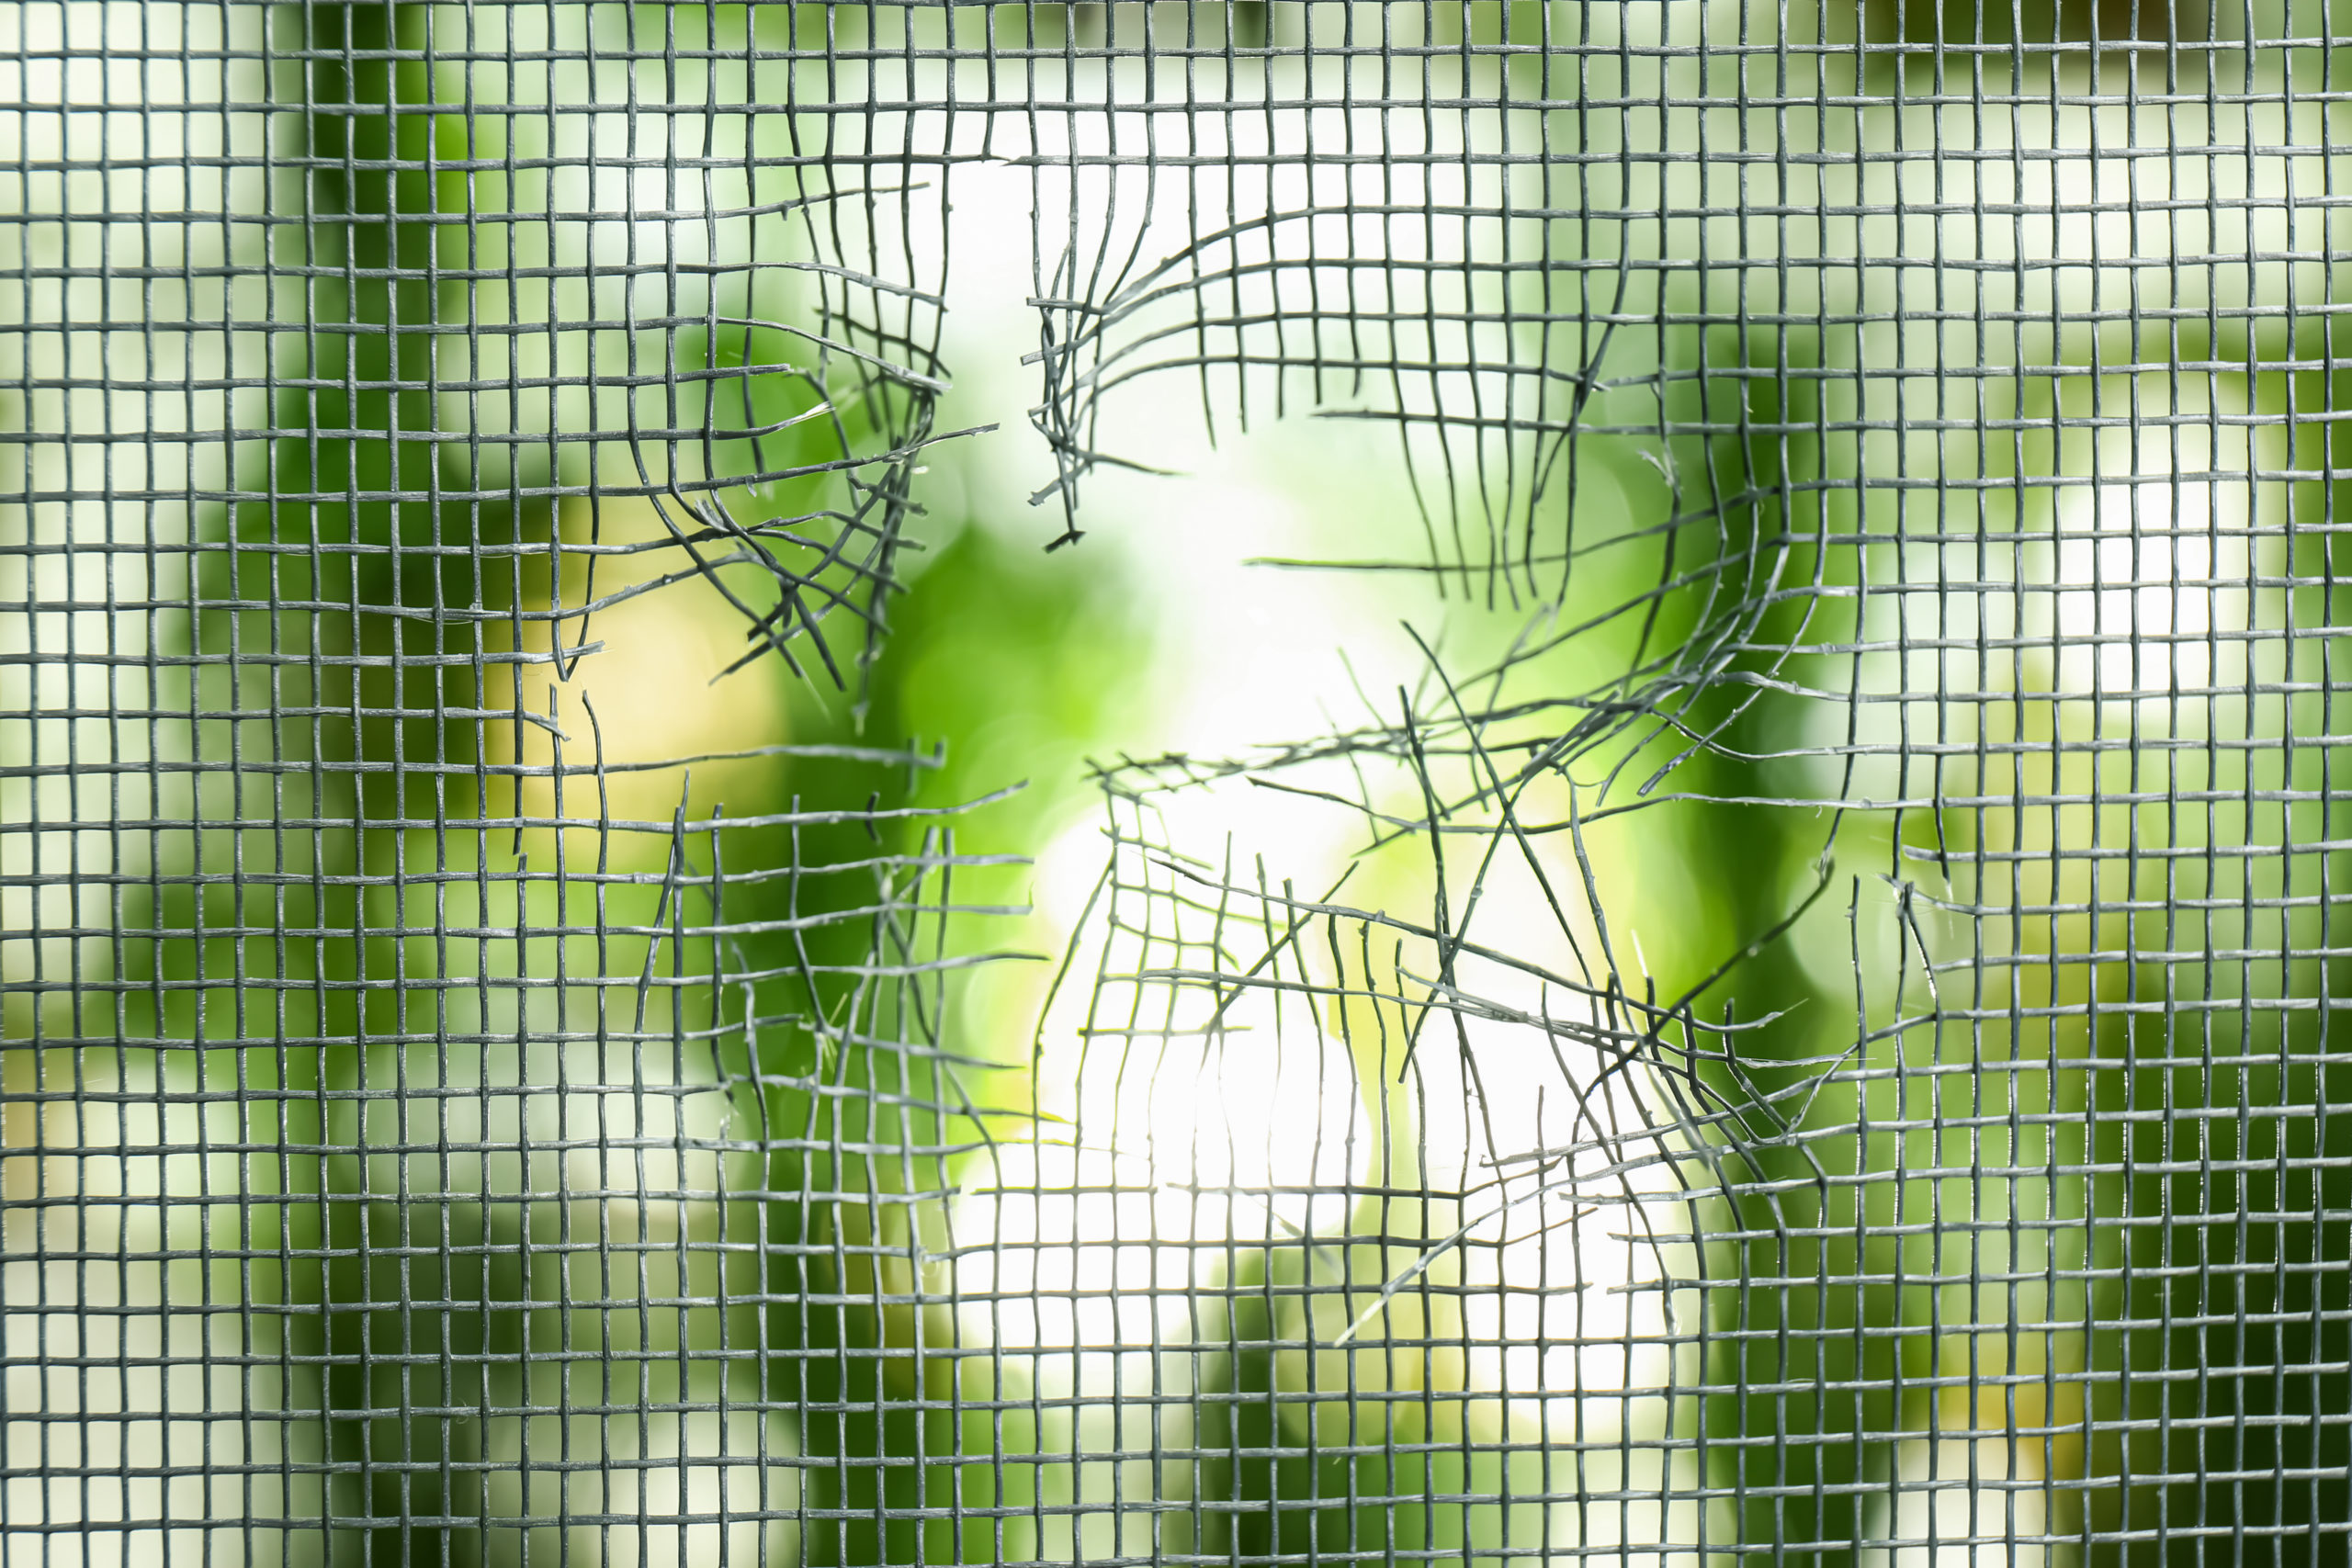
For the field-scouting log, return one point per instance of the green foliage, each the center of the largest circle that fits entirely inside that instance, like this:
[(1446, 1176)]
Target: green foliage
[(355, 611)]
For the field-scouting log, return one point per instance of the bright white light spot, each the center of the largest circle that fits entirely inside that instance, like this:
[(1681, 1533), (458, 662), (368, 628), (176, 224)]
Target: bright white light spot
[(1550, 1225), (2145, 573), (1157, 1143), (1966, 1504)]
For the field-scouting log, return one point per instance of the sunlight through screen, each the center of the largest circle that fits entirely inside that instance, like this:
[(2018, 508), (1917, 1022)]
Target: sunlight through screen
[(835, 786)]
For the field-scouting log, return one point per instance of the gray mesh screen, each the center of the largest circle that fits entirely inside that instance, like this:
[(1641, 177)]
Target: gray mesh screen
[(1788, 1015)]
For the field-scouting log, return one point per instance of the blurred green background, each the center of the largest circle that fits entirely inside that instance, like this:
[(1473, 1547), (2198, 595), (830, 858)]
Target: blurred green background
[(584, 1190)]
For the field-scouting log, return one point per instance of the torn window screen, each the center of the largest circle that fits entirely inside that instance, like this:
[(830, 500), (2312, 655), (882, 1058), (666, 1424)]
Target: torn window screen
[(1784, 1011)]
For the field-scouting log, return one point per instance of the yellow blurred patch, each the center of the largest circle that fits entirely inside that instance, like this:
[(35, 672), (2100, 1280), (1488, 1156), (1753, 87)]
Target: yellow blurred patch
[(644, 704)]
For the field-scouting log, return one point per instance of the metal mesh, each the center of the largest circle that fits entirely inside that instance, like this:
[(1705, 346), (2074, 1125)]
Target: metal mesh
[(1873, 472)]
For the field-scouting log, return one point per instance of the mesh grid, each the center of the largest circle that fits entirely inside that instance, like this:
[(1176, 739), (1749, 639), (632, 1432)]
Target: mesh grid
[(1874, 467)]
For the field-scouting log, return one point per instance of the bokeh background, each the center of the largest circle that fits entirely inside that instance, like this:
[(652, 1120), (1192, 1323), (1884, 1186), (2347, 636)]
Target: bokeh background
[(533, 1027)]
